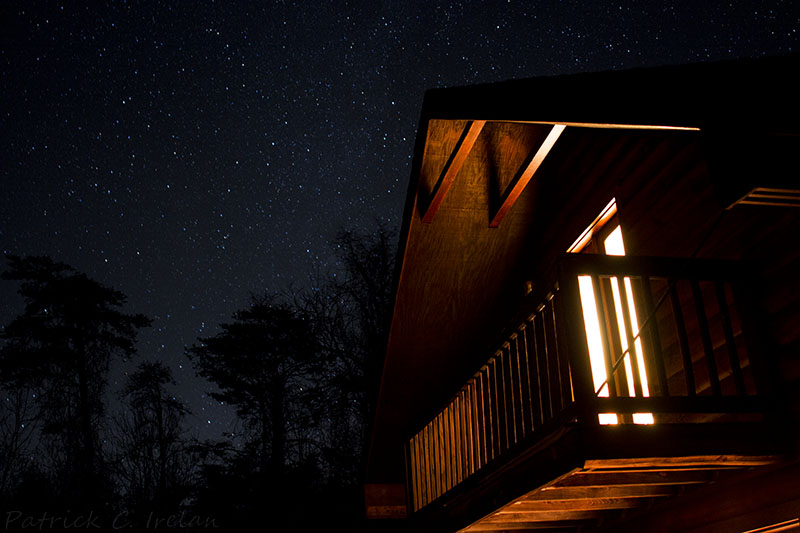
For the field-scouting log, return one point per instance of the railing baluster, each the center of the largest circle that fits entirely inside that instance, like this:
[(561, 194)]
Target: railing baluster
[(508, 398), (534, 388), (437, 459), (466, 426), (705, 336), (411, 474), (416, 459), (445, 452), (655, 338), (519, 426), (432, 460), (456, 456), (476, 441), (480, 413), (436, 482), (494, 385), (500, 407), (554, 376), (453, 457), (541, 368), (432, 473), (422, 484), (462, 436), (466, 429), (435, 476), (563, 343), (477, 417), (442, 466), (465, 436), (457, 434), (489, 412), (730, 342), (764, 375), (683, 339), (451, 412), (551, 366), (448, 448), (502, 414), (477, 458), (488, 389), (426, 461), (544, 368), (468, 433), (508, 395), (456, 429), (608, 355), (440, 457), (473, 433), (563, 361), (633, 353), (525, 381)]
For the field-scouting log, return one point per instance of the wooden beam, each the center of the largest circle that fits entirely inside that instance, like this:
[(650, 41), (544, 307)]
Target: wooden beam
[(594, 493), (771, 196), (542, 516), (385, 500), (524, 175), (452, 167), (530, 506), (525, 526), (633, 478), (688, 461), (747, 501)]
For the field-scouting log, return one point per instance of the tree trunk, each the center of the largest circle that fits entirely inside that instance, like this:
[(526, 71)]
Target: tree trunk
[(162, 443), (278, 412), (264, 414), (87, 466)]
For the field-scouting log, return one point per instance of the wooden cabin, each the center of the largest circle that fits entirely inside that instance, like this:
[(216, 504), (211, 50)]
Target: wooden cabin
[(597, 312)]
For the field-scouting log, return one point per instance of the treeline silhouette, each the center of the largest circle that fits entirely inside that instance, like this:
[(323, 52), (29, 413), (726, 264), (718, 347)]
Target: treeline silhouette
[(300, 369)]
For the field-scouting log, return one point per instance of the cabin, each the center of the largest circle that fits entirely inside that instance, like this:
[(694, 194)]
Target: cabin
[(596, 323)]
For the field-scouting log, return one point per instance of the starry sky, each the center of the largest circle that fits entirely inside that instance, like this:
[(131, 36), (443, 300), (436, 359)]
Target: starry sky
[(189, 153)]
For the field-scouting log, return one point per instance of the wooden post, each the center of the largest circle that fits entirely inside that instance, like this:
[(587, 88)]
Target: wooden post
[(570, 314)]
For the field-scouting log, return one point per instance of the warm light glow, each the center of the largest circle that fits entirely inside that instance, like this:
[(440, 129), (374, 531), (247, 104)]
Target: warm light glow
[(605, 215), (591, 323), (614, 245)]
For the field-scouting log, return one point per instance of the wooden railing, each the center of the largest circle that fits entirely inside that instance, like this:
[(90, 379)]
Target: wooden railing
[(692, 362)]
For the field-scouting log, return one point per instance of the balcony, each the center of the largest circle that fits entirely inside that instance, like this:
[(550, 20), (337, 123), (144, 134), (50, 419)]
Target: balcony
[(622, 381)]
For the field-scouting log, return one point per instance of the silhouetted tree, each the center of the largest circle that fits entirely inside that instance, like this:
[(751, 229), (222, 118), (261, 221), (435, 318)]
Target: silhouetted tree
[(60, 348), (303, 383), (351, 311), (152, 459), (17, 428), (262, 363)]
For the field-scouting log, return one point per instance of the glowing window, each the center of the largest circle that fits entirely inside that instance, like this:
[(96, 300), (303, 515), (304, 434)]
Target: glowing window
[(606, 231)]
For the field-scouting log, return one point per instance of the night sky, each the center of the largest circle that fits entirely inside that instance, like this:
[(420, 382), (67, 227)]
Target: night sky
[(190, 153)]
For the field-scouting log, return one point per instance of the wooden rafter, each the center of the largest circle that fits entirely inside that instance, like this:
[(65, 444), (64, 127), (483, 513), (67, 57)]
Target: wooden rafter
[(536, 506), (520, 181), (452, 167), (771, 196), (529, 526)]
